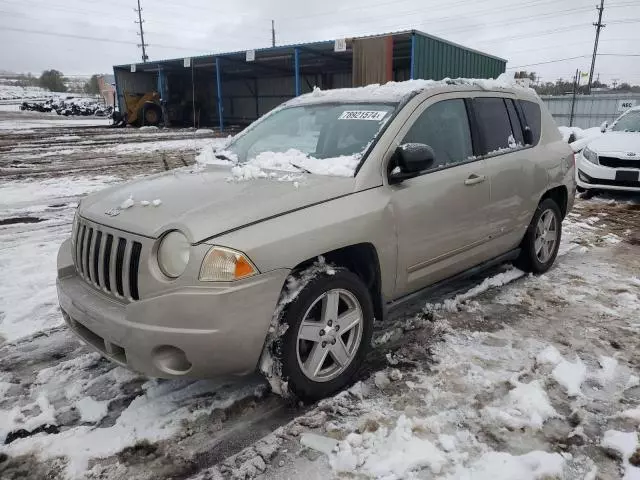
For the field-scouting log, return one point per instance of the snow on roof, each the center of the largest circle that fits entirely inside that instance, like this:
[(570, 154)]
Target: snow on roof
[(397, 91)]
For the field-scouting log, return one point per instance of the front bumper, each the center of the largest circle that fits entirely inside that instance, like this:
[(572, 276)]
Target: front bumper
[(215, 329), (592, 176)]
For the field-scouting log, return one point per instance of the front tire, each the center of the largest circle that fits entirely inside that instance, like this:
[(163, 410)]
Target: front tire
[(330, 325), (151, 115), (540, 245)]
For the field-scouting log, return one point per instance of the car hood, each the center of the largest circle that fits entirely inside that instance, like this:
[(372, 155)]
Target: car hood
[(206, 203), (617, 142)]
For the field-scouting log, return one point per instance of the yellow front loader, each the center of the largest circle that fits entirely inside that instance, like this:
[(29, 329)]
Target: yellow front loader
[(141, 109)]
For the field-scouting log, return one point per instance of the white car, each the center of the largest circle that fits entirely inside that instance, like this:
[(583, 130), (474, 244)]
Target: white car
[(612, 161)]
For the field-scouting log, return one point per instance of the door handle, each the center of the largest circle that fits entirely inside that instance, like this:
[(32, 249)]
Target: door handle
[(474, 179)]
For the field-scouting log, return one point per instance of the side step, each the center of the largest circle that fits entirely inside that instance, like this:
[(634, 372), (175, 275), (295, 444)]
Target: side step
[(507, 257)]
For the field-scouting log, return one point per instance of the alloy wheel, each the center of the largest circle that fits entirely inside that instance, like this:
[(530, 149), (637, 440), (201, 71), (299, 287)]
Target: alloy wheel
[(329, 335), (546, 236)]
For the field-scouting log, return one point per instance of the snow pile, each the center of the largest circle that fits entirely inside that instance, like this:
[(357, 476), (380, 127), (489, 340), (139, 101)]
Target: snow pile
[(387, 454), (579, 136), (293, 161), (396, 91), (247, 171), (527, 405), (91, 410), (534, 465), (21, 192), (570, 376), (454, 304), (625, 445)]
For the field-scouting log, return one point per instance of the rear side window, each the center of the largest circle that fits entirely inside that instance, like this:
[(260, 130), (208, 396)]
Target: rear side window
[(532, 116), (444, 126), (516, 126), (494, 124)]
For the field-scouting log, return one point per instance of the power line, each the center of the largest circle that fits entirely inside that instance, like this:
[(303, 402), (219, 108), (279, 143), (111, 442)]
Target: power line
[(619, 54), (574, 58), (549, 61), (599, 26)]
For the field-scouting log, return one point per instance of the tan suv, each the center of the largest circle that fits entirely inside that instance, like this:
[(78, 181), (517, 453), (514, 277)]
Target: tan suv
[(394, 188)]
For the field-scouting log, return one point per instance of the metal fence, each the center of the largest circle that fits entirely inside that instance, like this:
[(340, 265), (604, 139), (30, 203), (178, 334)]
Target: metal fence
[(589, 110)]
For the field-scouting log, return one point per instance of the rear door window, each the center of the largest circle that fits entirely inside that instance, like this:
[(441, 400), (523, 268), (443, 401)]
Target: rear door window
[(444, 126), (516, 126), (494, 124), (532, 118)]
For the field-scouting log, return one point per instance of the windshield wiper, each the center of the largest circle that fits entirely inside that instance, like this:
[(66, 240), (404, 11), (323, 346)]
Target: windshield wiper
[(299, 167), (222, 156)]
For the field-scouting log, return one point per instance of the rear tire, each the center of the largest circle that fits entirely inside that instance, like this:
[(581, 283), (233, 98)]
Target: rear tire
[(330, 324), (539, 248)]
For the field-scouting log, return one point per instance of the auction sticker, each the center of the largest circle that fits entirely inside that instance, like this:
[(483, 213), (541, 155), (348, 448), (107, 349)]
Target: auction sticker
[(362, 115)]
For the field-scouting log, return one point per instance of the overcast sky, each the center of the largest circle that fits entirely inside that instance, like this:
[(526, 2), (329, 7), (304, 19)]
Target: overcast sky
[(90, 36)]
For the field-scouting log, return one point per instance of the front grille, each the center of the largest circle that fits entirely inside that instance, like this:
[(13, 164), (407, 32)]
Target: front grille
[(107, 259), (614, 162)]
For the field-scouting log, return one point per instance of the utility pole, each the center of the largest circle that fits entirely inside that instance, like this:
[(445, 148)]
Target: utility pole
[(576, 84), (273, 33), (598, 26), (141, 34)]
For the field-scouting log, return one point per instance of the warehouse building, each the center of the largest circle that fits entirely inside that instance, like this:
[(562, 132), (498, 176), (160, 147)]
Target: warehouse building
[(233, 89)]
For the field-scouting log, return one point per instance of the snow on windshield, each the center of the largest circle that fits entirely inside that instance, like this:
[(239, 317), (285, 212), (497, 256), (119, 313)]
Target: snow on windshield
[(322, 139), (325, 132), (628, 122)]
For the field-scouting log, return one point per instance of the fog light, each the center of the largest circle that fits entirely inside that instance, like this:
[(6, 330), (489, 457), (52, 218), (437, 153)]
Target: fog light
[(583, 178), (171, 360)]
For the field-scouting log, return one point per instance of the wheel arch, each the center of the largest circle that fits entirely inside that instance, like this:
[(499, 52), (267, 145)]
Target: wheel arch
[(362, 260), (560, 195)]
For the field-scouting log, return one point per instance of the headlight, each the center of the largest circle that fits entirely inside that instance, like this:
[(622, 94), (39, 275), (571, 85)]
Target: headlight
[(590, 155), (173, 254), (225, 265)]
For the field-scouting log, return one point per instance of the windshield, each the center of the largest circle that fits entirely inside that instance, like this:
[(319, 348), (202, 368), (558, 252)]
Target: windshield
[(629, 122), (310, 136)]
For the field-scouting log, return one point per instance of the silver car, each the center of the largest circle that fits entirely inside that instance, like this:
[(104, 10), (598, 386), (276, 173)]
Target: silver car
[(310, 225)]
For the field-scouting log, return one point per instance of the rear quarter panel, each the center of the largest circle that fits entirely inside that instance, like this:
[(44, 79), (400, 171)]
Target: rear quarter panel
[(553, 155)]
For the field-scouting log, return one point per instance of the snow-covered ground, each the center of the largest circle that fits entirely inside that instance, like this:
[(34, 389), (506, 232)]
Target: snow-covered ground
[(520, 378), (15, 93), (505, 376)]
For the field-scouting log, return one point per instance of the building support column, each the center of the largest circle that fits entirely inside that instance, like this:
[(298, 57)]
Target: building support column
[(255, 93), (116, 101), (296, 62), (412, 72), (219, 91)]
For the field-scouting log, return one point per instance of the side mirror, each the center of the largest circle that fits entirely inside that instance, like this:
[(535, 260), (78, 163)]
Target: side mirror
[(527, 136), (604, 126), (411, 160)]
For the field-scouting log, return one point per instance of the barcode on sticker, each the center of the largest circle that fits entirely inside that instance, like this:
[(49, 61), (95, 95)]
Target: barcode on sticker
[(362, 115)]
